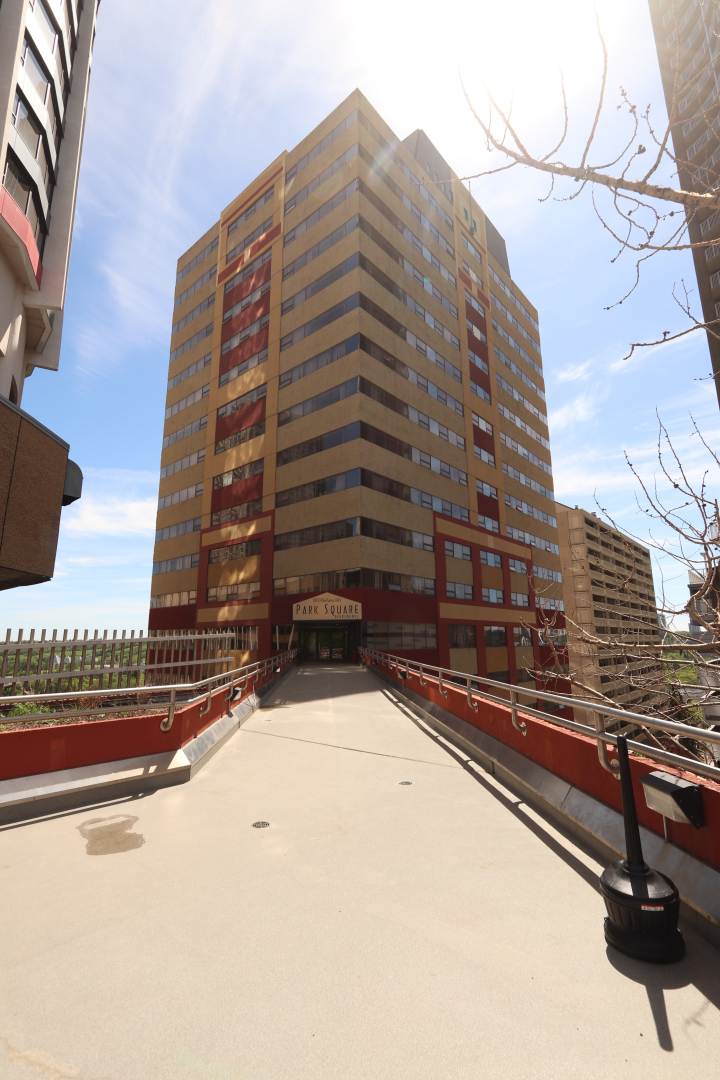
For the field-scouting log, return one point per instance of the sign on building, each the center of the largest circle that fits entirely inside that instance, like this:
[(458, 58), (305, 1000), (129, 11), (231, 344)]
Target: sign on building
[(327, 608)]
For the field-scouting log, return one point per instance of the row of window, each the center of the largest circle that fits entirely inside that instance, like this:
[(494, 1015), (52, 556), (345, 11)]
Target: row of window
[(384, 635), (243, 550), (523, 353), (301, 194), (182, 562), (524, 507), (251, 237), (184, 432), (475, 333), (360, 578), (187, 401), (483, 488), (240, 472), (512, 366), (245, 216), (189, 371), (520, 423), (359, 300), (196, 286), (360, 430), (507, 314), (523, 452), (244, 334), (182, 463), (489, 523), (247, 301), (547, 575), (238, 512), (238, 590), (359, 385), (527, 481), (247, 271), (174, 599), (329, 485), (191, 342), (242, 402), (180, 496), (510, 390), (464, 636), (350, 527), (532, 540), (460, 590), (197, 259), (245, 365), (478, 360), (208, 302), (527, 314), (251, 431)]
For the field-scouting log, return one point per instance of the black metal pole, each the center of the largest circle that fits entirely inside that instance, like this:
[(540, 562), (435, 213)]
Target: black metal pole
[(634, 857)]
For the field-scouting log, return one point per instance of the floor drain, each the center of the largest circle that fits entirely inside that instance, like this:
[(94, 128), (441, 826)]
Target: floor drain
[(405, 783), (261, 824)]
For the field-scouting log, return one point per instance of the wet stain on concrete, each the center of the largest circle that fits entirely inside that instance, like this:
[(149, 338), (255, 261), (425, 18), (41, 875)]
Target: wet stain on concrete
[(111, 835)]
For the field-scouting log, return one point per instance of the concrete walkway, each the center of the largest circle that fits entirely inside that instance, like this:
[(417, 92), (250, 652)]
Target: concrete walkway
[(431, 930)]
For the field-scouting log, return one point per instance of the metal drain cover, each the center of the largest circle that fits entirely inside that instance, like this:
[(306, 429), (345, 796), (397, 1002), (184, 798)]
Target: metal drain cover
[(261, 824), (405, 783)]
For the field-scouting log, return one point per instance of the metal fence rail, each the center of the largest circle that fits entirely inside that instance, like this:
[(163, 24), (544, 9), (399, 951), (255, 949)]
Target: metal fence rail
[(53, 661), (146, 700), (661, 733)]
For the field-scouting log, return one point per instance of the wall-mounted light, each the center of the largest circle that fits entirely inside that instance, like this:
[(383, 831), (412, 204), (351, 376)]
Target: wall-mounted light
[(674, 798)]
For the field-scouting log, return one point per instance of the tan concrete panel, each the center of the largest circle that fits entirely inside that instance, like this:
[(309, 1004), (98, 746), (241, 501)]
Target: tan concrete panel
[(354, 552), (174, 581), (459, 570), (231, 573), (182, 479), (236, 531), (171, 515), (477, 613), (350, 503), (233, 612), (464, 660)]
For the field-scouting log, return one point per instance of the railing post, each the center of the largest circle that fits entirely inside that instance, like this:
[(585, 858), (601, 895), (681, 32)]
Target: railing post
[(441, 688), (519, 725), (167, 723), (470, 699)]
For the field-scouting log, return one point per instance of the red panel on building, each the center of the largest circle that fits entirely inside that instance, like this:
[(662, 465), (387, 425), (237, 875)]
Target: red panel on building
[(248, 348), (239, 492), (241, 418)]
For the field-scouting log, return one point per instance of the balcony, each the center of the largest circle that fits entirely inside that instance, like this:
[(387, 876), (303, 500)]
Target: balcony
[(36, 480)]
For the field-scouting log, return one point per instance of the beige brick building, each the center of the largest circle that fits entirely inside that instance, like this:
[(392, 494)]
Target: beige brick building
[(609, 595), (355, 408)]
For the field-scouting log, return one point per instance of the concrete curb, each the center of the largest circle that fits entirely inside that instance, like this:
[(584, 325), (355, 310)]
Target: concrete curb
[(595, 825), (30, 797)]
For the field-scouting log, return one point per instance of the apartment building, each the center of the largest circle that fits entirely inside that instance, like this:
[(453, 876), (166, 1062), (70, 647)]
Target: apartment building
[(687, 35), (355, 448), (609, 597), (45, 59)]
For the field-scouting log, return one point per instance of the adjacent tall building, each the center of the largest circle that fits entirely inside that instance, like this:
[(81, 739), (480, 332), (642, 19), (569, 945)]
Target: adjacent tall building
[(610, 607), (687, 34), (45, 58), (355, 446)]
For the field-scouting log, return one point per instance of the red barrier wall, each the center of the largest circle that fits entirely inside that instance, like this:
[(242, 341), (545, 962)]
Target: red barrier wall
[(30, 751), (573, 757)]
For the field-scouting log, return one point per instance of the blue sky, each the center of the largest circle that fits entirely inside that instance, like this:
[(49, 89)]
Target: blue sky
[(189, 101)]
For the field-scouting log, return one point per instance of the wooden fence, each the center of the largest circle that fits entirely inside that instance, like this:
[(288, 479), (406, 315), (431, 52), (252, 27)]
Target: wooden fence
[(57, 660)]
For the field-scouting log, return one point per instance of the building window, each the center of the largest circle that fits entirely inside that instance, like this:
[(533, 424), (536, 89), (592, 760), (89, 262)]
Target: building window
[(490, 558), (455, 550), (518, 566), (19, 185), (233, 552), (492, 596), (378, 635), (174, 599), (458, 590), (240, 590), (461, 635), (522, 637), (495, 636), (519, 599)]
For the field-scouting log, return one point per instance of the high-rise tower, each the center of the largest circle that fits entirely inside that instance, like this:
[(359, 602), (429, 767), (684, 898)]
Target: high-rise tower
[(687, 34), (355, 445), (45, 58)]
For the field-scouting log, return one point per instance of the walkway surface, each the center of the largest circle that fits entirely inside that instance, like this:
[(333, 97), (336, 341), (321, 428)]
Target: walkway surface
[(430, 930)]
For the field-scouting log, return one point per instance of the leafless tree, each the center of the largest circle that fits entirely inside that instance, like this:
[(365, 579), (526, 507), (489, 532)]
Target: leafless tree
[(635, 187)]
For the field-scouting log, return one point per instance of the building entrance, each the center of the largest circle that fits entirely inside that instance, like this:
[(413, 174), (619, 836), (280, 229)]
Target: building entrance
[(329, 644)]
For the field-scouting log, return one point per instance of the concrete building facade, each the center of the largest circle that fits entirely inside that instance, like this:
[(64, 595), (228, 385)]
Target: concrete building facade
[(355, 444), (609, 596), (45, 60), (687, 35)]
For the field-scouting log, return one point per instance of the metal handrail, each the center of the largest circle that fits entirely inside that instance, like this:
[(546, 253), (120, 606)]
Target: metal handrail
[(168, 694), (473, 684)]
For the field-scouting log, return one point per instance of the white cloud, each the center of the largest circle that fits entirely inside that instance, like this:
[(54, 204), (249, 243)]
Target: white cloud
[(110, 515), (580, 410), (574, 372)]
